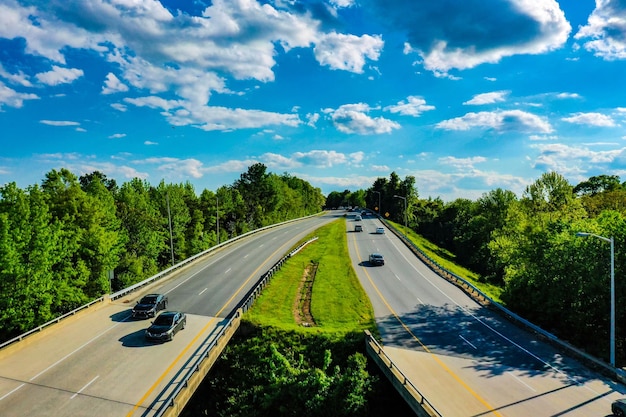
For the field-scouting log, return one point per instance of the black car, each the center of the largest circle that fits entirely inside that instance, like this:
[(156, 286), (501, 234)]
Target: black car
[(618, 408), (377, 259), (166, 325), (150, 305)]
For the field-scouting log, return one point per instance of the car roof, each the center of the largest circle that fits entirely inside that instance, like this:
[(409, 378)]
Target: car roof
[(377, 255), (170, 313)]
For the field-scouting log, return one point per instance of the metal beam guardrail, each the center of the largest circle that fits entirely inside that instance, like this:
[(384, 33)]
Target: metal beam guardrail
[(198, 368), (480, 296), (409, 392), (141, 284)]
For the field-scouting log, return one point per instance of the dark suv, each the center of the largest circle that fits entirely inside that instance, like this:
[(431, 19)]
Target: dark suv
[(150, 305), (377, 259)]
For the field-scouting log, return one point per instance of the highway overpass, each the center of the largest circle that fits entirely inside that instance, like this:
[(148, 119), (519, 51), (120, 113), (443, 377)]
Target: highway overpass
[(464, 358)]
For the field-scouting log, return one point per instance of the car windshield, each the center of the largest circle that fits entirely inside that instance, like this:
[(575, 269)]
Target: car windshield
[(149, 299), (164, 320), (376, 256)]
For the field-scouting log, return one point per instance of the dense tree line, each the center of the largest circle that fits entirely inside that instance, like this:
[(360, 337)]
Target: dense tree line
[(528, 246), (60, 240)]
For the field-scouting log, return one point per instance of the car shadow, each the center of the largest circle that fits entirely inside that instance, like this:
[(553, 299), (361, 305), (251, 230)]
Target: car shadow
[(136, 339), (120, 316)]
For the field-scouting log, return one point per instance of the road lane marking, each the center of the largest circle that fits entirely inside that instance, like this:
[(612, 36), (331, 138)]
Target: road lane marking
[(479, 320), (11, 392), (522, 382), (83, 388), (77, 349), (441, 363), (467, 341), (195, 339), (202, 292)]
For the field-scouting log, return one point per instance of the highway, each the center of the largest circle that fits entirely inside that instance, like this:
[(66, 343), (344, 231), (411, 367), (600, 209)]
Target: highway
[(100, 364), (464, 358)]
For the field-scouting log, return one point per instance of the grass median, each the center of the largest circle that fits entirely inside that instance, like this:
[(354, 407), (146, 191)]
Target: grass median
[(285, 362)]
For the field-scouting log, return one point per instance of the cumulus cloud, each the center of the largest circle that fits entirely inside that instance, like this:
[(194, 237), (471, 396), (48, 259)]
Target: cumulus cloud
[(354, 118), (605, 31), (573, 160), (501, 121), (488, 98), (413, 106), (191, 54), (59, 75), (112, 84), (347, 52), (462, 163), (448, 34), (12, 98), (591, 119)]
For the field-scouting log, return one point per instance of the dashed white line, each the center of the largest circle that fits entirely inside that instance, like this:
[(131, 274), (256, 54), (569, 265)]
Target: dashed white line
[(11, 392), (522, 382), (202, 292), (83, 388), (227, 271), (467, 341)]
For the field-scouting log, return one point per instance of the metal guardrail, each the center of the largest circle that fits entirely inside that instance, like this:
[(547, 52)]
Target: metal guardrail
[(49, 323), (467, 286), (235, 316), (143, 283), (417, 400)]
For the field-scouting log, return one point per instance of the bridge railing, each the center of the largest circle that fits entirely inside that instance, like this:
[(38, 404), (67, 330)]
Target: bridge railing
[(201, 362), (147, 281), (480, 296)]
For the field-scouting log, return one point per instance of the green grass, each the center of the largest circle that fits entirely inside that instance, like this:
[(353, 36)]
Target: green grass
[(339, 303), (446, 259)]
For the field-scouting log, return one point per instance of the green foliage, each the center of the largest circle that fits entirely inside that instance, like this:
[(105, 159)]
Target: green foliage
[(59, 241)]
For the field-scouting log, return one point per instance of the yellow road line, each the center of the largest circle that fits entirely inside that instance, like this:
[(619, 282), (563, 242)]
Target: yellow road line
[(195, 339), (433, 355)]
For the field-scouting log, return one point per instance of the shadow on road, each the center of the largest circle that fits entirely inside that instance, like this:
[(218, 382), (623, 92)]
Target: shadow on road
[(136, 339)]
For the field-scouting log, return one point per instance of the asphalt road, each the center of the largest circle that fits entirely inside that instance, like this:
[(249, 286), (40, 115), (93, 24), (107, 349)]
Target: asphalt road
[(464, 358), (100, 364)]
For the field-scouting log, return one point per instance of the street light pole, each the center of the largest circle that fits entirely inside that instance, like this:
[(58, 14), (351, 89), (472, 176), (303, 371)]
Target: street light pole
[(404, 198), (612, 336)]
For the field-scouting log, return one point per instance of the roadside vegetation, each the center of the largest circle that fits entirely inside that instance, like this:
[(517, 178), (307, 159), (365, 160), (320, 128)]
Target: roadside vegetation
[(524, 250), (60, 240), (280, 365)]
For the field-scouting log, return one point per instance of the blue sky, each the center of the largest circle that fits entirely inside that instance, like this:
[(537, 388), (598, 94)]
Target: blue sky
[(466, 96)]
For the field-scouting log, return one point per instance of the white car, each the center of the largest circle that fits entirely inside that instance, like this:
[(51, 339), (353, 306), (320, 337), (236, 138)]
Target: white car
[(380, 231)]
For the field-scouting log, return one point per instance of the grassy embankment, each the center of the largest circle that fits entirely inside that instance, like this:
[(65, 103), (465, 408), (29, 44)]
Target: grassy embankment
[(277, 366), (446, 258)]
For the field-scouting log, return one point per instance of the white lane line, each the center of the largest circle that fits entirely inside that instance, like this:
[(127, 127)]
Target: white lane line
[(227, 271), (479, 320), (397, 277), (522, 382), (467, 341), (11, 392), (202, 292), (77, 349), (83, 388), (246, 256)]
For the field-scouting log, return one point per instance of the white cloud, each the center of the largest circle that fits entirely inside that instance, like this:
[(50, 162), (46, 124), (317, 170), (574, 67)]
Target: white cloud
[(12, 98), (605, 31), (117, 136), (112, 84), (462, 163), (19, 78), (488, 98), (347, 52), (470, 33), (58, 123), (59, 75), (353, 118), (591, 119), (414, 106), (501, 121)]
